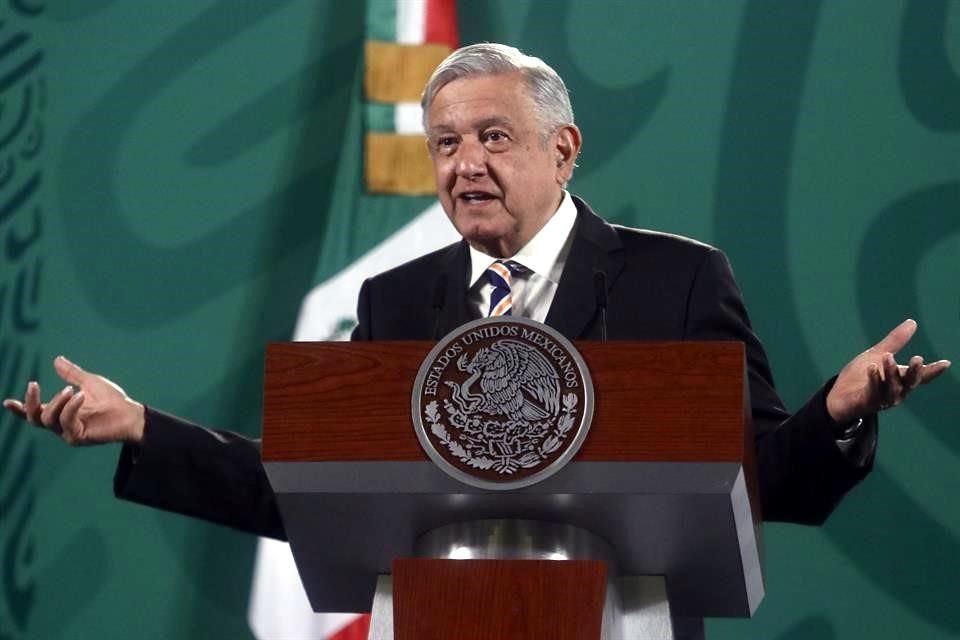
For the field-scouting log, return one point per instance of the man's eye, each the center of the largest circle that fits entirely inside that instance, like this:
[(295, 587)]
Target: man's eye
[(495, 136), (446, 143)]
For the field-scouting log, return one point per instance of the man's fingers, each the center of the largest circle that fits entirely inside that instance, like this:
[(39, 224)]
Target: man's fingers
[(68, 417), (932, 370), (31, 403), (875, 383), (896, 339), (50, 416), (891, 391), (69, 371), (912, 374), (890, 370), (15, 406)]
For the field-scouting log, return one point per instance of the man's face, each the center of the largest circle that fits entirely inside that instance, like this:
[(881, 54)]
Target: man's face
[(497, 179)]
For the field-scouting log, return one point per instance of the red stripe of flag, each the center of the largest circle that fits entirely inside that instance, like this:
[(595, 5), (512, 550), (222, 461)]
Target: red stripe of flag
[(356, 629), (441, 23)]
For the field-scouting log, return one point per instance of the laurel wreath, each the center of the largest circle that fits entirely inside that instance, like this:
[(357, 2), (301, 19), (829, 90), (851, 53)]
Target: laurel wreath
[(564, 423)]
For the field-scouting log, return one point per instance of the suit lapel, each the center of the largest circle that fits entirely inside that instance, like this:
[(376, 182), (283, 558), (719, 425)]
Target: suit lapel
[(596, 247), (455, 267)]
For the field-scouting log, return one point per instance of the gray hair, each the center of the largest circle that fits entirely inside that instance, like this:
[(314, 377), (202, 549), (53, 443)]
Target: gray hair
[(545, 86)]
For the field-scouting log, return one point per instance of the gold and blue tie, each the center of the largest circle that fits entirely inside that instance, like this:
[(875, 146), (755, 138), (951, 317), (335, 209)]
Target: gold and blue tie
[(500, 275)]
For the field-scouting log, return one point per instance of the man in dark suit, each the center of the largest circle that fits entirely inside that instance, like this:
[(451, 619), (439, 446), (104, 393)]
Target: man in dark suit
[(658, 287), (503, 142)]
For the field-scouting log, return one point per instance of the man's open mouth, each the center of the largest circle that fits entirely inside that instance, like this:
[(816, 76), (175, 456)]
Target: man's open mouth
[(475, 196)]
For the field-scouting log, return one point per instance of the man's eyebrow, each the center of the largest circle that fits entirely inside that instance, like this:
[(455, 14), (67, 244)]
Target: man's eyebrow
[(494, 121), (438, 129)]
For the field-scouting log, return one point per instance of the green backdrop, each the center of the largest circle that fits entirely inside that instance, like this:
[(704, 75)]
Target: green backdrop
[(166, 175)]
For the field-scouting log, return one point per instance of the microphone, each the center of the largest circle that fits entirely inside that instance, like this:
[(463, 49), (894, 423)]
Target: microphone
[(600, 292), (439, 298)]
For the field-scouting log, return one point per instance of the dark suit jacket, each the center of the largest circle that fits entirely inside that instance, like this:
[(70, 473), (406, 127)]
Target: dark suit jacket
[(660, 287)]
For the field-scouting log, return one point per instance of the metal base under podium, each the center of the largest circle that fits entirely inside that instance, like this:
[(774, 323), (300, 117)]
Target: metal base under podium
[(635, 606)]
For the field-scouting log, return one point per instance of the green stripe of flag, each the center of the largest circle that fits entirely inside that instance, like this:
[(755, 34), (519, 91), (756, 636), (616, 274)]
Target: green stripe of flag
[(382, 20), (380, 117)]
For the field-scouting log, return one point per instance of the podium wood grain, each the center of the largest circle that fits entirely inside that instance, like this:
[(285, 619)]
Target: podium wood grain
[(347, 401), (497, 599)]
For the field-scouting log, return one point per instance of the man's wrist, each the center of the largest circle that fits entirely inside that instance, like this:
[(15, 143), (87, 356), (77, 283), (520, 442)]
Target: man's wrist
[(847, 430), (138, 424)]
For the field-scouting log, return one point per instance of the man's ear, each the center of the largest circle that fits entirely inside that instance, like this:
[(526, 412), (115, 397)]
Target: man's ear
[(567, 146)]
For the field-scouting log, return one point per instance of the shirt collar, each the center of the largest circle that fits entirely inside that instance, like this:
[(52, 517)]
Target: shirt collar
[(540, 254)]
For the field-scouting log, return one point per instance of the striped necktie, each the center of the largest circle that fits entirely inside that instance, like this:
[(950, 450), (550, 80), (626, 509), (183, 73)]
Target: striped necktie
[(500, 275)]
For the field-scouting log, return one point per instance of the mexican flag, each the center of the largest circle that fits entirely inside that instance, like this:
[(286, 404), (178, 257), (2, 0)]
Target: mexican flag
[(383, 214)]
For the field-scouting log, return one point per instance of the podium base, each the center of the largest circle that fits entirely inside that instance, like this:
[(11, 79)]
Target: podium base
[(645, 613), (496, 579)]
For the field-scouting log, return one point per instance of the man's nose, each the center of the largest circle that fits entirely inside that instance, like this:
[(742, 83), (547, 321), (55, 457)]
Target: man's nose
[(471, 159)]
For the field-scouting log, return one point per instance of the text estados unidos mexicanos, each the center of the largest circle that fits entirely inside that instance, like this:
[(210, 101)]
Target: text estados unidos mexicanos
[(567, 367)]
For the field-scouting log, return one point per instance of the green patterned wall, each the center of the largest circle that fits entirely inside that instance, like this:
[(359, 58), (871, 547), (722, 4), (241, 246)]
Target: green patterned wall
[(165, 175)]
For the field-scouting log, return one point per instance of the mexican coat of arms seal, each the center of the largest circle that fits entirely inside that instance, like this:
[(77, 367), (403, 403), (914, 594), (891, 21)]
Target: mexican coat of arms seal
[(502, 403)]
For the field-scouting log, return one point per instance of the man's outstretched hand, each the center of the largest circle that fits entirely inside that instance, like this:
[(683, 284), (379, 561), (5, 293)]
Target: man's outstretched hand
[(873, 381), (89, 410)]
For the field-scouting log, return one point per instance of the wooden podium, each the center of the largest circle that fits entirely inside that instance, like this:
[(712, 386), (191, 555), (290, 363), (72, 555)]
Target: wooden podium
[(659, 510)]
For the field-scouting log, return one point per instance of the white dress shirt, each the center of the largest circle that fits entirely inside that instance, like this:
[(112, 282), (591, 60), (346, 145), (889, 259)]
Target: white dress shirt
[(544, 257)]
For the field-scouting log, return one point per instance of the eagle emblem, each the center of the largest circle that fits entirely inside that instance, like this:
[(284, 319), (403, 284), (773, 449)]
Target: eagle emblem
[(516, 381), (497, 402)]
